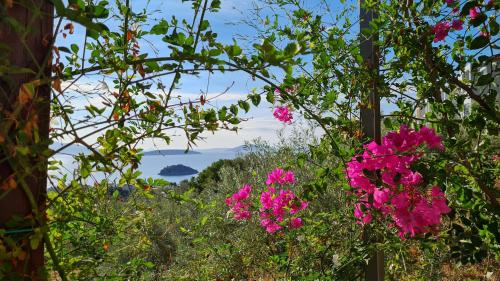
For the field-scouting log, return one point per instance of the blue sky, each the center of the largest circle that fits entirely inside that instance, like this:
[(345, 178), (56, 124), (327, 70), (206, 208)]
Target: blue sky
[(228, 24)]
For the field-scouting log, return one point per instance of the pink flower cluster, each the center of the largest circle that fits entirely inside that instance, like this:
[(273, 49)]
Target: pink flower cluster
[(386, 185), (240, 204), (279, 176), (278, 206), (283, 114), (474, 12), (442, 28)]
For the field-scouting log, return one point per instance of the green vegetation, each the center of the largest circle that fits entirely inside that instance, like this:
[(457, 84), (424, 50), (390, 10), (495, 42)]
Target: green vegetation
[(433, 64)]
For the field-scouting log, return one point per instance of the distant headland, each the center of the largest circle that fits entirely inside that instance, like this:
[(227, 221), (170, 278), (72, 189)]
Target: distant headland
[(170, 152)]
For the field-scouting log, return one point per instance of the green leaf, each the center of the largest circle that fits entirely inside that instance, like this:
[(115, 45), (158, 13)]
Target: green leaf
[(292, 49), (484, 80), (203, 220), (233, 50), (478, 20), (466, 8), (204, 25), (479, 42), (64, 49), (234, 109), (244, 105), (265, 73), (494, 28), (160, 28), (75, 48), (215, 5), (270, 97), (222, 113), (255, 98)]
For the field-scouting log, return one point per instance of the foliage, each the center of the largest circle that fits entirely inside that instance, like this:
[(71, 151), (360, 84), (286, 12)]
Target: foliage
[(430, 56), (417, 73)]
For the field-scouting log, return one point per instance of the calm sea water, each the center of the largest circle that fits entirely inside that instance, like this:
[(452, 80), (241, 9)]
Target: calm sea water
[(151, 165)]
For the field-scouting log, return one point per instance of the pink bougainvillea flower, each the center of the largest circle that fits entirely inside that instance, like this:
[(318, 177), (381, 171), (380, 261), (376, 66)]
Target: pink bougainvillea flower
[(283, 114), (295, 208), (279, 176), (381, 196), (270, 225), (450, 2), (430, 137), (484, 34), (441, 30), (363, 217), (289, 177), (278, 207), (295, 223), (474, 12), (439, 200), (383, 173), (240, 204), (457, 24)]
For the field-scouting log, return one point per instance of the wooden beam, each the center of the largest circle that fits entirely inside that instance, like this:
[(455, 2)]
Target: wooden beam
[(370, 116), (30, 49), (370, 121)]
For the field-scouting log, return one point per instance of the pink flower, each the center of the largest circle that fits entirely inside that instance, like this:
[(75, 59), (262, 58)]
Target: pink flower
[(295, 223), (243, 193), (295, 208), (439, 201), (380, 197), (363, 217), (239, 203), (270, 225), (449, 2), (266, 200), (413, 178), (473, 13), (280, 177), (441, 30), (457, 24), (277, 205), (383, 172), (283, 114), (484, 34), (401, 201), (289, 177), (430, 137)]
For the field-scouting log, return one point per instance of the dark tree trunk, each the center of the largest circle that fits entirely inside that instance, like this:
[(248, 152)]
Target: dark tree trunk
[(29, 48)]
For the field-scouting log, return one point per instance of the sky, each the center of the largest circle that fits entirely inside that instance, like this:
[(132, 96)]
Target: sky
[(228, 24)]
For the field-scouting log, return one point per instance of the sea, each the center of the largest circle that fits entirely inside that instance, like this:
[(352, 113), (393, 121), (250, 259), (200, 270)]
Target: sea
[(151, 165)]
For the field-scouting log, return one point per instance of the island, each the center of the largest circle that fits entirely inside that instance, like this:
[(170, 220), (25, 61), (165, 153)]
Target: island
[(177, 170)]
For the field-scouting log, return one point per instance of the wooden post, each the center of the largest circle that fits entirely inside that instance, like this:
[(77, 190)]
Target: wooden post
[(370, 120), (26, 50)]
